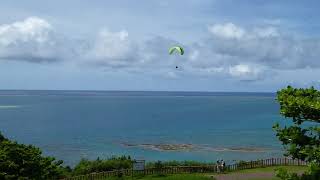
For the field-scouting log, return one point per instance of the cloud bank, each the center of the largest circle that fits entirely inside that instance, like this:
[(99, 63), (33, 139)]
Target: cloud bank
[(32, 39), (230, 51)]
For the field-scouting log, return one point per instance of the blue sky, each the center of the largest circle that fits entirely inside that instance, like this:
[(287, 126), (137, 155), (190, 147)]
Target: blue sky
[(231, 45)]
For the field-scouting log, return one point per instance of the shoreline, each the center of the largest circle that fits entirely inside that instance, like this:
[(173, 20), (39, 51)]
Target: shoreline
[(192, 147)]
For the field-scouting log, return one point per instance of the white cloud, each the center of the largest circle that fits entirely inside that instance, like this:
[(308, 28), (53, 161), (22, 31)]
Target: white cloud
[(111, 45), (31, 40), (109, 49), (227, 30), (232, 31), (245, 72), (240, 70), (265, 46), (31, 29)]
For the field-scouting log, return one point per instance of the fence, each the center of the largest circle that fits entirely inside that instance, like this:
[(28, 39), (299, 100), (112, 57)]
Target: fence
[(192, 169)]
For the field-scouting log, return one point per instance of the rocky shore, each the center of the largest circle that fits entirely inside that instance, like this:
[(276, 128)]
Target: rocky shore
[(193, 147), (162, 147)]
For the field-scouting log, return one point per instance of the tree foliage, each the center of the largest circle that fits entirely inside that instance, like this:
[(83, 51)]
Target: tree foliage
[(86, 166), (19, 161), (301, 139)]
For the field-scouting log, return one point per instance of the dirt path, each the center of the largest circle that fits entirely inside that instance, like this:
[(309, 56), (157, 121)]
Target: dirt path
[(243, 176)]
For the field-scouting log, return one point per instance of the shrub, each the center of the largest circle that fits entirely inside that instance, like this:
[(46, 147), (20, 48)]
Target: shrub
[(19, 161), (283, 174), (86, 166)]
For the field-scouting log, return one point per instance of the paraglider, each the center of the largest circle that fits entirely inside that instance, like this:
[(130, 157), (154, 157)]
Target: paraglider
[(177, 49)]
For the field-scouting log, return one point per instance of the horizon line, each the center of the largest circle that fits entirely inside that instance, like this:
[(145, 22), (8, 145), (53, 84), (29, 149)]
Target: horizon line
[(119, 90)]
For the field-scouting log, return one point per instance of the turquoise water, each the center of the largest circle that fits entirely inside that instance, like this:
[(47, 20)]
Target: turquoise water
[(77, 124)]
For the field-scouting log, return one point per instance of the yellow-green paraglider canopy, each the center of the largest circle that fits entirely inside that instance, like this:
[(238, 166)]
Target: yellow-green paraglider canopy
[(179, 49)]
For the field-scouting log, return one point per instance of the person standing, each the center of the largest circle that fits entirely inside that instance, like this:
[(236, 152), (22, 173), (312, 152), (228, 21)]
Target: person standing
[(223, 164), (218, 166)]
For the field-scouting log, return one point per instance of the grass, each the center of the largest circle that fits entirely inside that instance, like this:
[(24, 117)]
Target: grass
[(207, 176), (291, 169), (271, 169)]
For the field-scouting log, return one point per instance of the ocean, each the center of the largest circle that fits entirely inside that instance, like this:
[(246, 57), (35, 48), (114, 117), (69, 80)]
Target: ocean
[(202, 126)]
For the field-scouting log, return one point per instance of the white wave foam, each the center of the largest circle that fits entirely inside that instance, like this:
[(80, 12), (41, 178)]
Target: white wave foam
[(8, 106)]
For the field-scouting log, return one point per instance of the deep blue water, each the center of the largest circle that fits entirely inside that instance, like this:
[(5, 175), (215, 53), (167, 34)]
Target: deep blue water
[(86, 124)]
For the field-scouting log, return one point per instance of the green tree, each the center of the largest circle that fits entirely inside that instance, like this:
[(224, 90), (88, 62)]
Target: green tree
[(19, 161), (301, 137)]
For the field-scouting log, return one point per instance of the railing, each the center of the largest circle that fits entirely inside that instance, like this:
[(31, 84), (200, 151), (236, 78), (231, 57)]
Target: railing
[(192, 169)]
